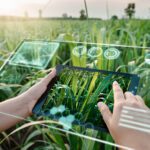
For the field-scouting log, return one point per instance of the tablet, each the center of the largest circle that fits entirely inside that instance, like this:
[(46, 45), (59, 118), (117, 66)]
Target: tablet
[(71, 97)]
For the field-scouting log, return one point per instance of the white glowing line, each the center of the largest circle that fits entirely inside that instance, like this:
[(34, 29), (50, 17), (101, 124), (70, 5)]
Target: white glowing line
[(135, 118), (135, 114), (90, 138), (10, 115), (133, 127), (135, 109), (126, 116), (126, 46), (125, 111), (135, 123), (77, 134)]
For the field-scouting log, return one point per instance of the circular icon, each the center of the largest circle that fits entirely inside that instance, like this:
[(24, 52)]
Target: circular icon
[(95, 52), (79, 51), (147, 58), (111, 53)]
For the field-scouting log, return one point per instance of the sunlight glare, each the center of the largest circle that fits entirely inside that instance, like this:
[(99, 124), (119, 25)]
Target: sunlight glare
[(8, 5)]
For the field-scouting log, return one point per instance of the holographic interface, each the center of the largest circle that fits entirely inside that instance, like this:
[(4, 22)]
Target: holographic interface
[(74, 96)]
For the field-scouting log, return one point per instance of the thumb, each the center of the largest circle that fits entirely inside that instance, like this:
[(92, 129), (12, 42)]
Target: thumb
[(41, 86), (49, 77), (105, 112)]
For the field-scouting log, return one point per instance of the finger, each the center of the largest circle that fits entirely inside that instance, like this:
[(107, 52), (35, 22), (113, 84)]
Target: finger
[(139, 99), (105, 112), (118, 93), (129, 96), (41, 86), (49, 77)]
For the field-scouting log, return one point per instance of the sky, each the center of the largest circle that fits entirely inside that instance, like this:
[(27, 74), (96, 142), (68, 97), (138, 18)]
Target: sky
[(55, 8)]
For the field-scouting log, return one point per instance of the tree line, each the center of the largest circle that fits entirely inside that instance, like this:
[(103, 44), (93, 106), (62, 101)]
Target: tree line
[(83, 14)]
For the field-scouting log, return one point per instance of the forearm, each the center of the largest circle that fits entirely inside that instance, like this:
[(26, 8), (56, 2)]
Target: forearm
[(21, 106), (18, 107)]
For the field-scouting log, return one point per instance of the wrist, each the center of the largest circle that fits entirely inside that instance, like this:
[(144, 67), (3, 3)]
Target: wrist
[(25, 102), (133, 145)]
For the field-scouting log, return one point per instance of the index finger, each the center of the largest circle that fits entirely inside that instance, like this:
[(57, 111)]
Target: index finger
[(118, 93)]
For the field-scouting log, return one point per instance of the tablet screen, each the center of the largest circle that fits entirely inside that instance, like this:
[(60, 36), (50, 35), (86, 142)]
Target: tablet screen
[(76, 92)]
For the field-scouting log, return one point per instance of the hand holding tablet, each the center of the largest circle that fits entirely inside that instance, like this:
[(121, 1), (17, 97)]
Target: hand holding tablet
[(78, 90)]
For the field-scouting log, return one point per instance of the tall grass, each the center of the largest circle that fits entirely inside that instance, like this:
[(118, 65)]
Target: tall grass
[(133, 32)]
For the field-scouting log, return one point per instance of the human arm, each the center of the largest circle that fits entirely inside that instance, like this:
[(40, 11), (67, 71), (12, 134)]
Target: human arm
[(22, 105)]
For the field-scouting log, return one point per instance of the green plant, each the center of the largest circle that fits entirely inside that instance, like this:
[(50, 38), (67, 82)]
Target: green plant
[(76, 93), (131, 33)]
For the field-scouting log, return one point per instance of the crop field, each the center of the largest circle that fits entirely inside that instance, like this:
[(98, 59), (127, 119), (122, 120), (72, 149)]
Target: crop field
[(113, 45)]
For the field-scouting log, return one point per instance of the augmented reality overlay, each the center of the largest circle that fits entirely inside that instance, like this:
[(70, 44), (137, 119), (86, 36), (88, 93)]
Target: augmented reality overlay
[(76, 93), (72, 101), (135, 119), (34, 54), (110, 36)]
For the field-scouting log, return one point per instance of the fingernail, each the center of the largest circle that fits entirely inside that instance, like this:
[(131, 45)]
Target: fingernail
[(100, 104), (52, 74), (115, 83), (53, 71)]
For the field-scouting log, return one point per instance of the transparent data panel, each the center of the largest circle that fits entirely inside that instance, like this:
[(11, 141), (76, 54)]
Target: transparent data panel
[(30, 57), (36, 54)]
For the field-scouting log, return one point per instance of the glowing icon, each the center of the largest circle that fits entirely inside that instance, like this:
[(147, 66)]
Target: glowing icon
[(95, 52), (55, 110), (147, 58), (79, 51), (111, 53), (67, 121)]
